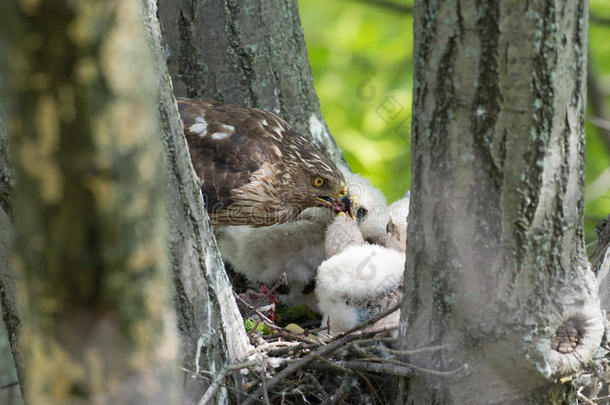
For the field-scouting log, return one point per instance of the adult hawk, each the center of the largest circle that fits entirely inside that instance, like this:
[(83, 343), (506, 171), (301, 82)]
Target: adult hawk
[(255, 169)]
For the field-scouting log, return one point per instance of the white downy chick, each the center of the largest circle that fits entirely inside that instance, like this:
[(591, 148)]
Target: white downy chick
[(357, 284), (397, 224), (370, 208), (263, 254), (342, 232)]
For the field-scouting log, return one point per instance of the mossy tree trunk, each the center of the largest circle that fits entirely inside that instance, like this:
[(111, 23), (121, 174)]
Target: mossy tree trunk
[(9, 352), (6, 175), (89, 256), (496, 268)]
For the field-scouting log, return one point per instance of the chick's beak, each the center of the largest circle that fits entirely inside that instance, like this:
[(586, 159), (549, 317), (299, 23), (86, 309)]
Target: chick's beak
[(342, 202)]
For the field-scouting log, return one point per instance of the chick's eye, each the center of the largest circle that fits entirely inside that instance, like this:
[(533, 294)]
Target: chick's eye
[(361, 213), (318, 181)]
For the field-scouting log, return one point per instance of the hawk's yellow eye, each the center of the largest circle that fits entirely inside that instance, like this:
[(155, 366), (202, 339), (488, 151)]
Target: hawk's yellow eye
[(318, 181)]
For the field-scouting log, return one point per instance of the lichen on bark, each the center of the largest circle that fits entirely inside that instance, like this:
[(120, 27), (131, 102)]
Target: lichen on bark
[(496, 267), (96, 319)]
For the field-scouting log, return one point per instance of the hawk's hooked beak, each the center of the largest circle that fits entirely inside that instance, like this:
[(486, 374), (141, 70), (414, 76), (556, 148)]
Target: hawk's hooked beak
[(342, 202)]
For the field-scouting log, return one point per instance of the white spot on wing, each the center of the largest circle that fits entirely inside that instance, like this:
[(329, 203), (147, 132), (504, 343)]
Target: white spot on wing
[(230, 128), (277, 151), (278, 131), (199, 127), (220, 135)]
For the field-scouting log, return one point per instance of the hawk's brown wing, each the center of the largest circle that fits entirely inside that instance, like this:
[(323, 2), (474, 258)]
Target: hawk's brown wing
[(227, 145)]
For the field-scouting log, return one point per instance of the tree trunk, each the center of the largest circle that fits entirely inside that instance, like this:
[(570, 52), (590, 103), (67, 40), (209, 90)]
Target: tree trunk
[(6, 175), (9, 352), (10, 361), (96, 325), (211, 328), (496, 267), (245, 52)]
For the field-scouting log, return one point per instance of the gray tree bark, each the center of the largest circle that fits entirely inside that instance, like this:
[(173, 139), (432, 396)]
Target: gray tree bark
[(211, 328), (89, 256), (9, 352), (10, 356), (6, 175), (496, 267), (245, 52)]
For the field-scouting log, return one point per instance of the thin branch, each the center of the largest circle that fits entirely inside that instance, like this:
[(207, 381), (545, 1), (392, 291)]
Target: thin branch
[(216, 383), (598, 19), (9, 385), (318, 385), (278, 330), (209, 377), (390, 5), (344, 388), (603, 400), (597, 102), (404, 369), (377, 359), (413, 351), (601, 123), (372, 389), (585, 399), (211, 391), (369, 321), (383, 368), (302, 362), (264, 387), (255, 310)]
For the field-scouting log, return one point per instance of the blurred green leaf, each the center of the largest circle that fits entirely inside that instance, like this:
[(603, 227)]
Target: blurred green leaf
[(361, 57)]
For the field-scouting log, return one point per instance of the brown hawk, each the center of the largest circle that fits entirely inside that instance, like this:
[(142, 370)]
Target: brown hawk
[(255, 169)]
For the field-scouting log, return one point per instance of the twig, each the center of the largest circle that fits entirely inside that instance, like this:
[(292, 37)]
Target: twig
[(209, 378), (318, 386), (264, 387), (224, 370), (371, 388), (597, 101), (375, 341), (211, 391), (293, 336), (9, 385), (247, 304), (302, 362), (413, 351), (404, 370), (374, 358), (278, 329), (390, 5), (332, 365), (598, 19), (369, 321), (384, 368), (585, 399), (279, 348), (343, 389)]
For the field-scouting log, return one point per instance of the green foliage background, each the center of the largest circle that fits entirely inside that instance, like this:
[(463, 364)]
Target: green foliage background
[(361, 57)]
